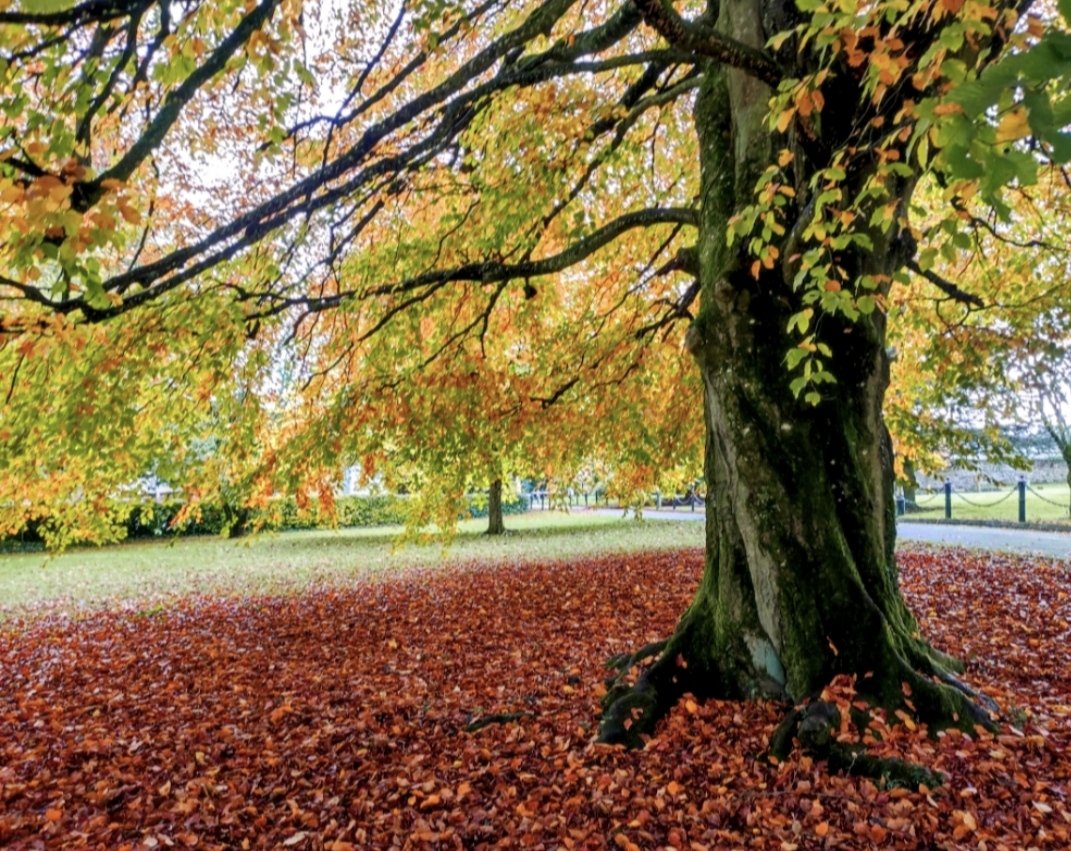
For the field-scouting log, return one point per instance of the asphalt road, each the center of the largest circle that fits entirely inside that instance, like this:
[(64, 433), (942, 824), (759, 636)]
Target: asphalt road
[(1054, 544)]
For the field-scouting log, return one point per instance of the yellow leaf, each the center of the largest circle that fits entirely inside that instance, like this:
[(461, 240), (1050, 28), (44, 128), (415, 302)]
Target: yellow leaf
[(784, 119), (1014, 125)]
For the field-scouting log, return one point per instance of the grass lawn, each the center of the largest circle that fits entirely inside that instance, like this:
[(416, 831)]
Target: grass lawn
[(1044, 503), (147, 574)]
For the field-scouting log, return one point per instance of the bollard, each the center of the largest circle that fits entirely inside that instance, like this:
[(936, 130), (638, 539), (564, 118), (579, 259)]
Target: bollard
[(948, 499), (901, 505), (1022, 499)]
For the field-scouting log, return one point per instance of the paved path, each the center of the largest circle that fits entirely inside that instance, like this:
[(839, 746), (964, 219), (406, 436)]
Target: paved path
[(1057, 544)]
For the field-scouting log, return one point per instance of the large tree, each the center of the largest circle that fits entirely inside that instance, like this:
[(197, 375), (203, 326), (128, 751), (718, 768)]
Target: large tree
[(747, 166)]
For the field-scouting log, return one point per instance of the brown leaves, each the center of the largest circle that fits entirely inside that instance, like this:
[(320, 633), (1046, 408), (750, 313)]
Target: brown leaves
[(337, 720)]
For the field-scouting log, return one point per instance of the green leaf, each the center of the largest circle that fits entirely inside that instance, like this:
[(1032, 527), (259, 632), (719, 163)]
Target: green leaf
[(801, 321), (794, 357)]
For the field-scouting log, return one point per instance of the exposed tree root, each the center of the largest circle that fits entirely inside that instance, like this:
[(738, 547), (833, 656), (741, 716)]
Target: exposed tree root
[(624, 662), (630, 712), (816, 726), (487, 720), (926, 689)]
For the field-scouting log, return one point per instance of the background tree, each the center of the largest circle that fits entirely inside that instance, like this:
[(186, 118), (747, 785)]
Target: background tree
[(502, 145), (1045, 379), (967, 373)]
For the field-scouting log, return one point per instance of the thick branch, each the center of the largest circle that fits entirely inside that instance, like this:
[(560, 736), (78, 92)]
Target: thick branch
[(946, 286), (705, 41), (495, 271), (92, 11)]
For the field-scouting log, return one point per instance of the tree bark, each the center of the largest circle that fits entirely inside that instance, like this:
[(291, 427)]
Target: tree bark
[(495, 522), (800, 583), (910, 486)]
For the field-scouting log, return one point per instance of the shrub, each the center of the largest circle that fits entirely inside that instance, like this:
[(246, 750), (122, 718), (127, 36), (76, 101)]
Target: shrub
[(153, 520)]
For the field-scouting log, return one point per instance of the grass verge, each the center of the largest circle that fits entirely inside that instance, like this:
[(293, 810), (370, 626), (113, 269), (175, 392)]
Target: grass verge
[(143, 575), (1044, 503)]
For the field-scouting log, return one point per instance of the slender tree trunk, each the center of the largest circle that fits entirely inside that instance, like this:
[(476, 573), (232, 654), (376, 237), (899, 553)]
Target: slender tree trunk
[(910, 485), (800, 582), (1065, 450), (237, 519), (495, 523)]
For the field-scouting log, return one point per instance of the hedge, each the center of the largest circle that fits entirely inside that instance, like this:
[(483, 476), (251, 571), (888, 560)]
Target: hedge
[(153, 520)]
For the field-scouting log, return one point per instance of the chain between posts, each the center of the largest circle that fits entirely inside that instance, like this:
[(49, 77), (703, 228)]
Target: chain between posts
[(1012, 492), (1046, 499)]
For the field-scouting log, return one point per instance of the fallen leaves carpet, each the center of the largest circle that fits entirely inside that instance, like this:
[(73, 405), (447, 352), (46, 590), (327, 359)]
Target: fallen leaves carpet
[(337, 719)]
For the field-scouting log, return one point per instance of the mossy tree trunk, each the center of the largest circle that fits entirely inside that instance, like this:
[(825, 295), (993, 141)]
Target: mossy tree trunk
[(800, 582), (495, 523)]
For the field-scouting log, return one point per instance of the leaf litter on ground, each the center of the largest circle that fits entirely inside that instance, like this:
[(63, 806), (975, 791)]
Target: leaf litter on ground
[(458, 709)]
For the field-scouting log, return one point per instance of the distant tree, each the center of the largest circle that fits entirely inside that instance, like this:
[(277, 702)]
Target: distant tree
[(968, 375), (1045, 378)]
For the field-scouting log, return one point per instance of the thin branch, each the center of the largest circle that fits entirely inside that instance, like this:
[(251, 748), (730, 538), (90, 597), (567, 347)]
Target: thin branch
[(176, 100)]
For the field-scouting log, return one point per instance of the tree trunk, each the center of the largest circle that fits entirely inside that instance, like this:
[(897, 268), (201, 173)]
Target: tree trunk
[(236, 521), (910, 486), (495, 523), (800, 582), (1065, 451)]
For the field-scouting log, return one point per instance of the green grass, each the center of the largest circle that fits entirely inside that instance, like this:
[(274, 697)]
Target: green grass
[(998, 505), (146, 575)]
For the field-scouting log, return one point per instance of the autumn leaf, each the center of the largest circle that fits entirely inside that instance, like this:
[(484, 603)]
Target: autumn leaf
[(1013, 125)]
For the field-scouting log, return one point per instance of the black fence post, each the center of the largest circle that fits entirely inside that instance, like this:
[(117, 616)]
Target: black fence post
[(948, 499), (1022, 499)]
